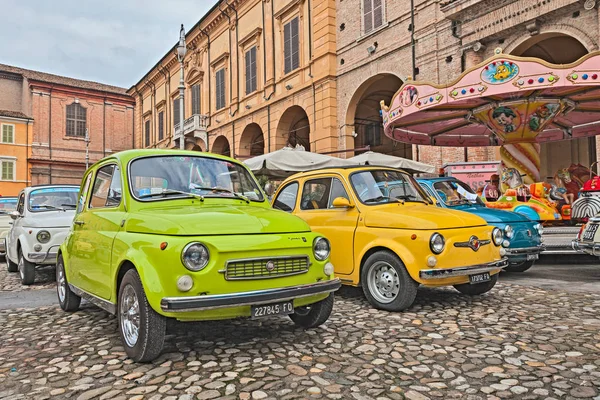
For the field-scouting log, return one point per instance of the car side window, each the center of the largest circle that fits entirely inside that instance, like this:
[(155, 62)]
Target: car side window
[(115, 191), (21, 204), (315, 194), (286, 200), (337, 190), (428, 191), (83, 194), (103, 192)]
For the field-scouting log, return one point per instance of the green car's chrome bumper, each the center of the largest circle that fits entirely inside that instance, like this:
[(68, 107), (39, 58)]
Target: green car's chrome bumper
[(208, 302)]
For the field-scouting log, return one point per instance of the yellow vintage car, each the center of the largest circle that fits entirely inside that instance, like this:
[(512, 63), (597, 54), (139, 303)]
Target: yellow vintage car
[(388, 236)]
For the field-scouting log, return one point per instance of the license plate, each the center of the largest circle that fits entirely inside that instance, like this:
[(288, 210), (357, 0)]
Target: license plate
[(479, 278), (533, 257), (590, 232), (267, 310)]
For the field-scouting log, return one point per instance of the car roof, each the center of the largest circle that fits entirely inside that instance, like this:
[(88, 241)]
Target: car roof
[(437, 179), (52, 185), (127, 155), (347, 169)]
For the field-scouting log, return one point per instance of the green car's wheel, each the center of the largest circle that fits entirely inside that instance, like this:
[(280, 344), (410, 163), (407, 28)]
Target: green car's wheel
[(67, 300), (478, 288), (313, 315), (141, 328), (386, 283), (26, 270), (522, 267)]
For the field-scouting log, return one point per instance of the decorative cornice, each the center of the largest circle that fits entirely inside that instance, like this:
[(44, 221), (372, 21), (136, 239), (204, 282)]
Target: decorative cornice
[(249, 37), (288, 7), (222, 57)]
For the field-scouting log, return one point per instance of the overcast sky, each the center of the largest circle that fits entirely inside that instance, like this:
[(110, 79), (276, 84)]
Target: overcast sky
[(109, 41)]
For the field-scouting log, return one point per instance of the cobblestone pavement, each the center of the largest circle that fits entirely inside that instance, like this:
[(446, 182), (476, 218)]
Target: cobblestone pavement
[(515, 342), (45, 277)]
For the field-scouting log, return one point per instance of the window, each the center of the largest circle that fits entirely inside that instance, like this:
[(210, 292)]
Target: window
[(315, 194), (196, 99), (372, 14), (291, 46), (21, 204), (337, 190), (251, 70), (286, 200), (107, 187), (147, 133), (176, 104), (373, 135), (8, 133), (8, 170), (161, 125), (220, 88), (83, 194), (76, 120)]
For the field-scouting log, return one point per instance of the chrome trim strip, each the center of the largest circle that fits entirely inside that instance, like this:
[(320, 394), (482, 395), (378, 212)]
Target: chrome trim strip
[(586, 247), (243, 260), (431, 274), (41, 257), (97, 301), (525, 250), (257, 297)]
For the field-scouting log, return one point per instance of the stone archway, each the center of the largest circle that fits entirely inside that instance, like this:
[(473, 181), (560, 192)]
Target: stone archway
[(294, 128), (194, 145), (364, 118), (559, 48), (221, 146), (252, 141)]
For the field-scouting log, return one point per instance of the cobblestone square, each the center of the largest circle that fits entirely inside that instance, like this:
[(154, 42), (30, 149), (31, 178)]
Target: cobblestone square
[(518, 342)]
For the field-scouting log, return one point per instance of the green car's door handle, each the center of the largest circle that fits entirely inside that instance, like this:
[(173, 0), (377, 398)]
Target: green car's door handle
[(79, 222)]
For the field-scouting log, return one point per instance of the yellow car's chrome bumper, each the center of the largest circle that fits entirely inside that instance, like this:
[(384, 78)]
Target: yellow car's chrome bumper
[(432, 274)]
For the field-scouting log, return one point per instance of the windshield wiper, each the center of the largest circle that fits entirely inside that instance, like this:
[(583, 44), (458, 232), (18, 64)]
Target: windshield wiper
[(412, 199), (69, 205), (48, 206), (379, 198), (222, 190), (169, 192)]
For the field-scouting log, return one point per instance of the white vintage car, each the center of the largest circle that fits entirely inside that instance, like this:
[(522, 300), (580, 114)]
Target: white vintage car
[(7, 205), (41, 222), (588, 238)]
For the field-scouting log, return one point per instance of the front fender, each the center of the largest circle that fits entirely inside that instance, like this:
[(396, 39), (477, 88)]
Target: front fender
[(406, 255), (26, 245)]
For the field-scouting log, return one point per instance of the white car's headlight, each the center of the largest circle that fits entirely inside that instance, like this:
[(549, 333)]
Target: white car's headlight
[(195, 256), (540, 228), (437, 243), (509, 232), (497, 236), (43, 236), (321, 248)]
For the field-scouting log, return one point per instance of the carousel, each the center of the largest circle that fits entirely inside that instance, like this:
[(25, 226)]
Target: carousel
[(515, 103)]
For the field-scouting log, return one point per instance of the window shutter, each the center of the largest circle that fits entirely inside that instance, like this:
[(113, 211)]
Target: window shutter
[(220, 88), (161, 125), (368, 15), (287, 47), (377, 13), (196, 99), (175, 111), (248, 77), (147, 133), (295, 44)]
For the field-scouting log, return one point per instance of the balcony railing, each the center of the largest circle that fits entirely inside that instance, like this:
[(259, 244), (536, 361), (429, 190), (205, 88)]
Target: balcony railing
[(194, 126)]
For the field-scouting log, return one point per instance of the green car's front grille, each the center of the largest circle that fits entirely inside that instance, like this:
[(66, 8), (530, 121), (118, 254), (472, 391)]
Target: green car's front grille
[(263, 268)]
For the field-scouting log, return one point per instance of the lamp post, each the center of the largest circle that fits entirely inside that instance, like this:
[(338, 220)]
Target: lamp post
[(181, 50), (87, 151)]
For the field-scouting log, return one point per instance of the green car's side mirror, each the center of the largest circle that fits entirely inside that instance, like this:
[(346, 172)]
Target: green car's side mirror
[(341, 202), (269, 189)]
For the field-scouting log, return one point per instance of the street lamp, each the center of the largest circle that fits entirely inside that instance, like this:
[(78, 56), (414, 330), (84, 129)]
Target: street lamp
[(181, 50)]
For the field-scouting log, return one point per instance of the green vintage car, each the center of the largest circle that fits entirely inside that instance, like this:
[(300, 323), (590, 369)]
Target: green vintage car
[(163, 234)]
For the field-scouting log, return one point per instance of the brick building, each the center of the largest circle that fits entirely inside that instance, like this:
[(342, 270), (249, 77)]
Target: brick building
[(57, 111), (376, 48), (258, 75)]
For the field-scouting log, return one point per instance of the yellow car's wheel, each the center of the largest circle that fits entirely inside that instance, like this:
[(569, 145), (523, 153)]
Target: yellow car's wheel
[(142, 329), (478, 288), (386, 283)]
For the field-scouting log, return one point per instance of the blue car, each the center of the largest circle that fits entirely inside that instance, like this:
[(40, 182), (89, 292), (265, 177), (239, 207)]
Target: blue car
[(524, 236)]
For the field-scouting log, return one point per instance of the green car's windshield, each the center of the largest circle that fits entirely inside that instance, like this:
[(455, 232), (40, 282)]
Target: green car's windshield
[(173, 177), (386, 186), (8, 205), (454, 193), (53, 199)]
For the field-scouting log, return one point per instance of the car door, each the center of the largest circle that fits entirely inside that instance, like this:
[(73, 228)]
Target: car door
[(95, 230), (16, 230), (338, 225)]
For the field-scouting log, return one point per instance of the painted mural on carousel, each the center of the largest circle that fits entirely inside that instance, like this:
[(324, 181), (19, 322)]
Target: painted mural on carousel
[(515, 103)]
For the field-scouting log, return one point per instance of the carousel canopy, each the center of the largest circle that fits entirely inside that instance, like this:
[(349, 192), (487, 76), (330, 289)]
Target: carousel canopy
[(372, 158), (287, 161), (504, 100)]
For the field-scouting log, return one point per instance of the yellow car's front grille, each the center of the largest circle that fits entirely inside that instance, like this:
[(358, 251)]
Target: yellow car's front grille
[(263, 268)]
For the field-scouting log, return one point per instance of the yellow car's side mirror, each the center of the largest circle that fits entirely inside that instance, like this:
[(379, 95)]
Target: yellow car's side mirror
[(341, 202)]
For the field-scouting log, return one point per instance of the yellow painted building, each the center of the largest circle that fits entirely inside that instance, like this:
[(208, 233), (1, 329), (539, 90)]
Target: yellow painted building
[(15, 139), (259, 75)]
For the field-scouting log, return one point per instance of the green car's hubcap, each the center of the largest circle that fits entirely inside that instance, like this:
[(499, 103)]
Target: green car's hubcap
[(130, 316), (62, 283), (383, 282)]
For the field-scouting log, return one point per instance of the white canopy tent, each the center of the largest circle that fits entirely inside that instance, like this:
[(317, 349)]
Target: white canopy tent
[(287, 161), (379, 159)]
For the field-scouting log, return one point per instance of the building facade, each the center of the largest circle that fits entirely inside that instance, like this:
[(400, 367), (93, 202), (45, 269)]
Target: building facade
[(259, 75), (55, 113), (388, 42)]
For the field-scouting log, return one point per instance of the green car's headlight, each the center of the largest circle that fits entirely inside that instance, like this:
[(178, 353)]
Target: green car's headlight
[(321, 248), (195, 256), (43, 236)]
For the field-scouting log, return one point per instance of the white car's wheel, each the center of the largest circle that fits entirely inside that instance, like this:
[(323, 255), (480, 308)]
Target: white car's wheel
[(26, 270)]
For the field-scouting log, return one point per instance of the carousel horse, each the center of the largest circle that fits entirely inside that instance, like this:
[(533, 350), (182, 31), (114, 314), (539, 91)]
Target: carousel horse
[(512, 178), (580, 174)]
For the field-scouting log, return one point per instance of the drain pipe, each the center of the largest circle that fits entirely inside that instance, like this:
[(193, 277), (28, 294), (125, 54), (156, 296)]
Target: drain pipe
[(264, 44), (273, 50), (412, 39), (237, 57), (205, 33)]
